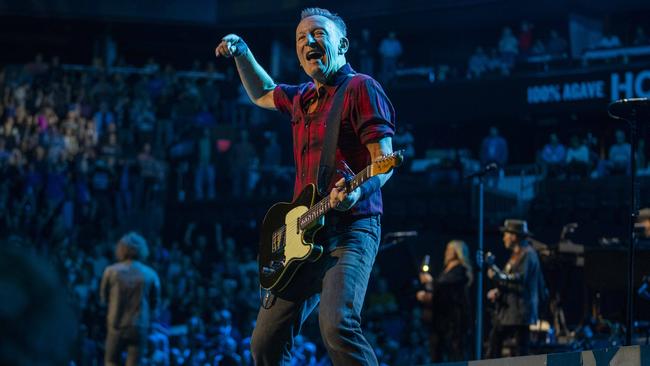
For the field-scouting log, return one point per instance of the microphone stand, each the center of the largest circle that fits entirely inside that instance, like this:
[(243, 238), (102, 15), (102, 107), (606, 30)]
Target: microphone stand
[(479, 278), (394, 240), (479, 263), (632, 121)]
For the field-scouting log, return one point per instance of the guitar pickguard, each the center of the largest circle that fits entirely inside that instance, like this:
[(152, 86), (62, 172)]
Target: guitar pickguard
[(294, 247), (284, 246)]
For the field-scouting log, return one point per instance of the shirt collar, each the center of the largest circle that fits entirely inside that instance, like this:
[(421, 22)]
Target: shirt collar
[(338, 78)]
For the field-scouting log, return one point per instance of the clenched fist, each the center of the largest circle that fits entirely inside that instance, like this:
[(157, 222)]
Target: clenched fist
[(231, 45)]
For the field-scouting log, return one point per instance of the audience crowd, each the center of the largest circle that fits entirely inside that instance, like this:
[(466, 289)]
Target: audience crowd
[(86, 155), (522, 49)]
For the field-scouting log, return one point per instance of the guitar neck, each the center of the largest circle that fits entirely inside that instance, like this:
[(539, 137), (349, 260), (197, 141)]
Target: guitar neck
[(318, 210)]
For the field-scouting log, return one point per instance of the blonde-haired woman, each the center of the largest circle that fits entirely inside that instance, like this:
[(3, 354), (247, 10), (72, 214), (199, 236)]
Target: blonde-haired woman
[(446, 299)]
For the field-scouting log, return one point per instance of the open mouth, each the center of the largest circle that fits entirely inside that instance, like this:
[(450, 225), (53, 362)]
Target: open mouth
[(314, 55)]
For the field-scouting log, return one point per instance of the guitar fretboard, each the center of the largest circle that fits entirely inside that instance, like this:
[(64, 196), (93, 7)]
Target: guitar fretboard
[(316, 211)]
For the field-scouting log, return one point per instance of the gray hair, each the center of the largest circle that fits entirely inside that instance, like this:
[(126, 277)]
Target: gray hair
[(132, 246), (335, 18)]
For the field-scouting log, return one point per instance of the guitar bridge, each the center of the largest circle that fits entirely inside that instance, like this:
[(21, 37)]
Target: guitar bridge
[(278, 239)]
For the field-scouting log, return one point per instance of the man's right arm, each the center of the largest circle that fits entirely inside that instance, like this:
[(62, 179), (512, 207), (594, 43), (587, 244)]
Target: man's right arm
[(104, 288), (257, 82)]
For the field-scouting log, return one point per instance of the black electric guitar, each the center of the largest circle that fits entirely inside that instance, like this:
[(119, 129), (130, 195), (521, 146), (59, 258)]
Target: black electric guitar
[(288, 229)]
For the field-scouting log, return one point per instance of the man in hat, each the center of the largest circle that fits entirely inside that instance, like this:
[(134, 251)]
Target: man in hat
[(517, 291)]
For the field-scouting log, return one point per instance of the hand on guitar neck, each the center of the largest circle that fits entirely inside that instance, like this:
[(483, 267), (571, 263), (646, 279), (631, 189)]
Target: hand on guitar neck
[(492, 271), (341, 199)]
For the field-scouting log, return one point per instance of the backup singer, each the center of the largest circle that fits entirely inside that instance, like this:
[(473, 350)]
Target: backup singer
[(338, 280), (446, 303)]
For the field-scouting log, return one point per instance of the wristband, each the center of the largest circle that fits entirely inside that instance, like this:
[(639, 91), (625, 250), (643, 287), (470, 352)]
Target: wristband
[(240, 48)]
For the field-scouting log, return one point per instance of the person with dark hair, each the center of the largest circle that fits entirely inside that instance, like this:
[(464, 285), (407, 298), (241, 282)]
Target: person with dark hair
[(553, 157), (517, 293), (132, 291), (556, 45), (494, 149), (390, 49), (620, 155), (339, 278), (38, 324), (577, 158), (446, 301)]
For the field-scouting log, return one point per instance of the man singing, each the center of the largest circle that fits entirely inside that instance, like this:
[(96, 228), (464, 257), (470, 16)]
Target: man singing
[(338, 280)]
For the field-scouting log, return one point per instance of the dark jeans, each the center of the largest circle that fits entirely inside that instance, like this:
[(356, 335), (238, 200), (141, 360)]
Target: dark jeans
[(338, 280), (520, 333), (132, 340)]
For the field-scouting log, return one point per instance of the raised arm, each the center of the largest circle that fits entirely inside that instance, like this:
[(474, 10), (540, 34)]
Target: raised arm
[(257, 82)]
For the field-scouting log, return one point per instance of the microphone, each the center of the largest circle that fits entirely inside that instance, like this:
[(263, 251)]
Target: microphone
[(627, 108), (488, 168), (425, 263), (568, 228), (402, 234)]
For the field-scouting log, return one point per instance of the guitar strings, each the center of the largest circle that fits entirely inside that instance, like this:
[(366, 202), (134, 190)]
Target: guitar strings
[(295, 226)]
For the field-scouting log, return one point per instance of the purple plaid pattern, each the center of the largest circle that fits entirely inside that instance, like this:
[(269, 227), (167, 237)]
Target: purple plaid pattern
[(367, 116)]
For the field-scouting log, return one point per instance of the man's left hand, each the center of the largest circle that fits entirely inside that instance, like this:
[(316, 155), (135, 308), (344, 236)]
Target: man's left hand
[(340, 200), (425, 278), (493, 294)]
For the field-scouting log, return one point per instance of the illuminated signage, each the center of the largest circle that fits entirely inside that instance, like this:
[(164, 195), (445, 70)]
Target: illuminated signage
[(619, 85)]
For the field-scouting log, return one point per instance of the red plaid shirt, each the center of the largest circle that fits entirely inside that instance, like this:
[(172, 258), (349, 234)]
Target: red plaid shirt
[(367, 116)]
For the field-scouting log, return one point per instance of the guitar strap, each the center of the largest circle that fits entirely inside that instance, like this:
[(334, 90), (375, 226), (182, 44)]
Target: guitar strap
[(327, 165)]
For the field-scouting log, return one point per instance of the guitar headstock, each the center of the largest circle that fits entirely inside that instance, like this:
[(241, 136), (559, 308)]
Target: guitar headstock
[(387, 163)]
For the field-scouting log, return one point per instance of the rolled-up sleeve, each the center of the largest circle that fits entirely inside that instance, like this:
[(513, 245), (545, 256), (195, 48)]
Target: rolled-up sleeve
[(283, 97), (373, 115)]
